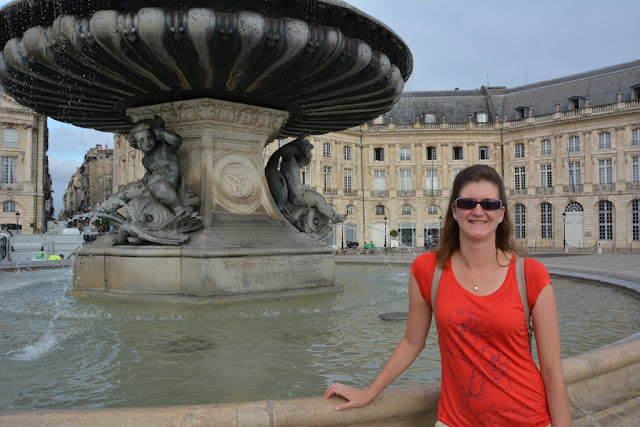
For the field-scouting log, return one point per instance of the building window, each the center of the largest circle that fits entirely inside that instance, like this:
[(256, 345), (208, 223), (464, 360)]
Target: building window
[(521, 221), (432, 180), (546, 223), (348, 180), (380, 210), (521, 113), (9, 206), (305, 176), (347, 152), (326, 150), (432, 210), (545, 147), (9, 137), (519, 150), (282, 142), (635, 137), (605, 171), (635, 220), (378, 120), (328, 178), (546, 177), (576, 102), (9, 170), (406, 182), (574, 144), (379, 182), (520, 178), (604, 140), (405, 153), (429, 117), (457, 153), (482, 117), (454, 173), (483, 153), (432, 153), (378, 154), (574, 173), (350, 210), (605, 219), (635, 169), (406, 210)]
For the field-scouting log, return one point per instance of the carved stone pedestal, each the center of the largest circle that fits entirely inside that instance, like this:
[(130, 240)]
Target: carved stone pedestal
[(246, 248)]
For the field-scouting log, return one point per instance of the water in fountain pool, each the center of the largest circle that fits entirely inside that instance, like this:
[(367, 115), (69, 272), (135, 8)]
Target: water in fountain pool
[(58, 351)]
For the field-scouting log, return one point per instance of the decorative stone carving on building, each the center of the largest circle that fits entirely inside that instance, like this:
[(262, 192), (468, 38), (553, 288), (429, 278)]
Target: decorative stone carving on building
[(160, 208), (306, 209)]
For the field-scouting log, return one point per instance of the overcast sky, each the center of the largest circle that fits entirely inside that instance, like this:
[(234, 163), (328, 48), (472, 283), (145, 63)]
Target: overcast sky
[(459, 44)]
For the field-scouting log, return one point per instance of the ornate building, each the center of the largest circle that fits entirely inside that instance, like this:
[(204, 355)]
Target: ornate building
[(568, 150), (91, 184), (25, 187)]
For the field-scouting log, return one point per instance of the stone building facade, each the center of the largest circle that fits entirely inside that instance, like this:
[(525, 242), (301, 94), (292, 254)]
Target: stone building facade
[(568, 150), (25, 186), (91, 184)]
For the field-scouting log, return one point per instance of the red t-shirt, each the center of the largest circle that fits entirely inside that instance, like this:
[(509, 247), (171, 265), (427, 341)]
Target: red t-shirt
[(488, 374)]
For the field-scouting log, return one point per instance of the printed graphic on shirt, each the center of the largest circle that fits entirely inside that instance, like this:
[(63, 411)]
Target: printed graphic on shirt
[(488, 367)]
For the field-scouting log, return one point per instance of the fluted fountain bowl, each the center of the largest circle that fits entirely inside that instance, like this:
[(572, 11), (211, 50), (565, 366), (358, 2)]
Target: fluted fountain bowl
[(87, 62)]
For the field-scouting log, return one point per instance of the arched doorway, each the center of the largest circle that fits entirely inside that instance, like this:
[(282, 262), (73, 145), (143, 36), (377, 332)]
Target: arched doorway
[(574, 225)]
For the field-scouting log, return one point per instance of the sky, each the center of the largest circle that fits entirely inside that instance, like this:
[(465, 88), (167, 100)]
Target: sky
[(457, 44)]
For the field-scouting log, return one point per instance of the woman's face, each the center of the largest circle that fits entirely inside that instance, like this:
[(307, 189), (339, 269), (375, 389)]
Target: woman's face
[(478, 224)]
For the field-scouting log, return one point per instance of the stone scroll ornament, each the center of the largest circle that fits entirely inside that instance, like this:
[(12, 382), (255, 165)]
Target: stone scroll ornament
[(160, 208), (306, 209)]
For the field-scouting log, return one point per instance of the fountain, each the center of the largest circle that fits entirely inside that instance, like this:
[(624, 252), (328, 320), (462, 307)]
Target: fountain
[(227, 78)]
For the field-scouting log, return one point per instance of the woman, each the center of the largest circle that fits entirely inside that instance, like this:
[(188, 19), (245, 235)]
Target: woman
[(488, 373)]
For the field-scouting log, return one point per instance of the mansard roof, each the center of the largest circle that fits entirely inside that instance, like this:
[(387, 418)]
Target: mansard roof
[(599, 86)]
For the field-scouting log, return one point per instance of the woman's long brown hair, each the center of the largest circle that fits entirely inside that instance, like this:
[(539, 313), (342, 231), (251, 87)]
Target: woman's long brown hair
[(450, 239)]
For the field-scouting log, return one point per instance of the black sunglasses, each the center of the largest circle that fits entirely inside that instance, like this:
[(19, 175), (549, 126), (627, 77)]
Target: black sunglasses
[(486, 204)]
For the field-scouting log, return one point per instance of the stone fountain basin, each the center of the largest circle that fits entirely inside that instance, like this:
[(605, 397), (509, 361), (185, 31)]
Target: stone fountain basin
[(328, 64)]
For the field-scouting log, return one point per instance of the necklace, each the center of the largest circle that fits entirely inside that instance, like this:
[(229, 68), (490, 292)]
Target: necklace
[(475, 281)]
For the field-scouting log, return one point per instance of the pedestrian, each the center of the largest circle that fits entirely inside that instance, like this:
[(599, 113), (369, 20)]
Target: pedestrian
[(488, 373), (55, 257), (373, 248)]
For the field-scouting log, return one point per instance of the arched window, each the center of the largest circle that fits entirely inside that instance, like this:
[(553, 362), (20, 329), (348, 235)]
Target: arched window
[(432, 210), (605, 219), (521, 221), (406, 210), (9, 206), (546, 221), (380, 210), (574, 207)]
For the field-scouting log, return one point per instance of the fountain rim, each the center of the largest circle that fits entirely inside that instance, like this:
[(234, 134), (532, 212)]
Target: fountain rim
[(350, 20)]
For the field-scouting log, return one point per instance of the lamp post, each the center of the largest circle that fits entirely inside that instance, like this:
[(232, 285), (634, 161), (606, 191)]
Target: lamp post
[(564, 231), (17, 219), (342, 237), (385, 231)]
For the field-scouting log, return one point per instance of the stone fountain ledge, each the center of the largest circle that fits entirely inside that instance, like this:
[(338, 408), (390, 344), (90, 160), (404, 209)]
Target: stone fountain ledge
[(602, 383)]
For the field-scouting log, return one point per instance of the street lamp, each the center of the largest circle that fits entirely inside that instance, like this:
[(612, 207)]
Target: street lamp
[(564, 231), (342, 237), (385, 231), (17, 219)]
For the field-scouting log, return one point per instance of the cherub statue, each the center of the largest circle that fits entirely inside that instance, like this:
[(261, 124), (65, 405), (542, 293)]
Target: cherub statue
[(306, 209), (160, 207)]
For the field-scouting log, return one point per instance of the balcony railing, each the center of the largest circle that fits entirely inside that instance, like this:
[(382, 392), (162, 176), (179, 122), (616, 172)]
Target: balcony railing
[(520, 192), (330, 191), (350, 192), (633, 185), (604, 187), (405, 193), (15, 186), (544, 190), (379, 193), (576, 188), (432, 192)]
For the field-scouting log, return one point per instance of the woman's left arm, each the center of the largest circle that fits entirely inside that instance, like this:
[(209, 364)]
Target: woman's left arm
[(547, 333)]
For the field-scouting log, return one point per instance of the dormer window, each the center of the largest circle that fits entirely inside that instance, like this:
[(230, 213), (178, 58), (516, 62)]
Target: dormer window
[(635, 92), (378, 120), (429, 117), (576, 102), (482, 117), (521, 113)]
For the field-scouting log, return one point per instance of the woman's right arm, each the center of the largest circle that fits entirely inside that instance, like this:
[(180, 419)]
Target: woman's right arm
[(405, 353)]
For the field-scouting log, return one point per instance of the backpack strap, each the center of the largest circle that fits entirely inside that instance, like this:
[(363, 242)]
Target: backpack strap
[(435, 281), (522, 289)]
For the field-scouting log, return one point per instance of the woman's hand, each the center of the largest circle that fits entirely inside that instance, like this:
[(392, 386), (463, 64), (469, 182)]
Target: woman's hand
[(356, 397)]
